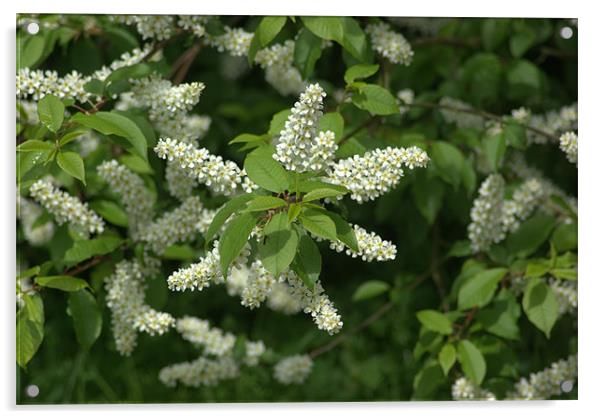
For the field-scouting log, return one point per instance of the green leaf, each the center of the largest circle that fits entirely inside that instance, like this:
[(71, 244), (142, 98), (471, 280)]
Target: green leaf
[(95, 86), (278, 121), (262, 203), (308, 261), (478, 290), (111, 123), (565, 237), (472, 361), (427, 381), (564, 273), (494, 147), (30, 328), (360, 72), (51, 112), (72, 164), (135, 71), (522, 42), (319, 224), (179, 252), (234, 239), (321, 194), (87, 318), (70, 136), (62, 282), (435, 321), (326, 27), (31, 52), (85, 249), (530, 235), (332, 121), (448, 161), (515, 136), (345, 232), (370, 289), (265, 171), (277, 222), (523, 79), (540, 305), (249, 138), (35, 145), (308, 49), (375, 99), (343, 30), (447, 357), (33, 271), (500, 318), (537, 269), (268, 28), (136, 164), (310, 185), (111, 212), (278, 250), (494, 32), (293, 212), (226, 211), (428, 195)]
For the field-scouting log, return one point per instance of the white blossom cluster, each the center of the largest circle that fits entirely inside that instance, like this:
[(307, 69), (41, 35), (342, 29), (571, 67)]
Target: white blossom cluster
[(258, 286), (281, 299), (214, 340), (28, 212), (463, 389), (28, 112), (458, 117), (221, 176), (406, 98), (126, 59), (38, 83), (202, 371), (376, 172), (390, 44), (200, 275), (370, 245), (566, 295), (87, 143), (129, 314), (236, 41), (568, 144), (277, 61), (194, 24), (163, 98), (547, 383), (553, 122), (486, 214), (522, 115), (157, 27), (293, 369), (524, 200), (300, 148), (253, 353), (134, 195), (66, 208), (178, 225), (316, 303)]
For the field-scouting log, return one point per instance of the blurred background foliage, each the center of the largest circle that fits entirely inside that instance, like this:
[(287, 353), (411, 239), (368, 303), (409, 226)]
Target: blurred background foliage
[(494, 64)]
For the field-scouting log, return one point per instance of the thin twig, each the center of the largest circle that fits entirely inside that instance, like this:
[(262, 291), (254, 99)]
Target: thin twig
[(182, 65), (81, 268), (482, 114), (360, 127)]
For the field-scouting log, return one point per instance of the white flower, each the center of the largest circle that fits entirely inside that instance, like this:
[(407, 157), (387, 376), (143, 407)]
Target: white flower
[(158, 27), (277, 61), (486, 214), (130, 188), (293, 370), (129, 313), (300, 148), (28, 212), (198, 331), (370, 246), (376, 172), (281, 299), (66, 208), (179, 225), (195, 24), (253, 353), (390, 44), (221, 176), (202, 371), (523, 202), (406, 98), (568, 144), (463, 389), (258, 286), (461, 119), (547, 383), (235, 41), (566, 295)]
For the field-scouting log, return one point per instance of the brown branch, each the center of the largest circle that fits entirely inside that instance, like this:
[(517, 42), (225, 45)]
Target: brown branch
[(182, 65), (360, 127), (338, 340), (482, 114), (81, 268)]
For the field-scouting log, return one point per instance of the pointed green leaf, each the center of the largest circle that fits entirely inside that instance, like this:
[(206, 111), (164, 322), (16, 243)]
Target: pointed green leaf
[(62, 282), (360, 71), (319, 224), (447, 357), (435, 321), (308, 49), (262, 203), (87, 318), (85, 249), (308, 261), (234, 239), (472, 361), (51, 112), (30, 328), (265, 171), (478, 290), (540, 305), (278, 250), (222, 215), (370, 289), (72, 164), (111, 212)]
